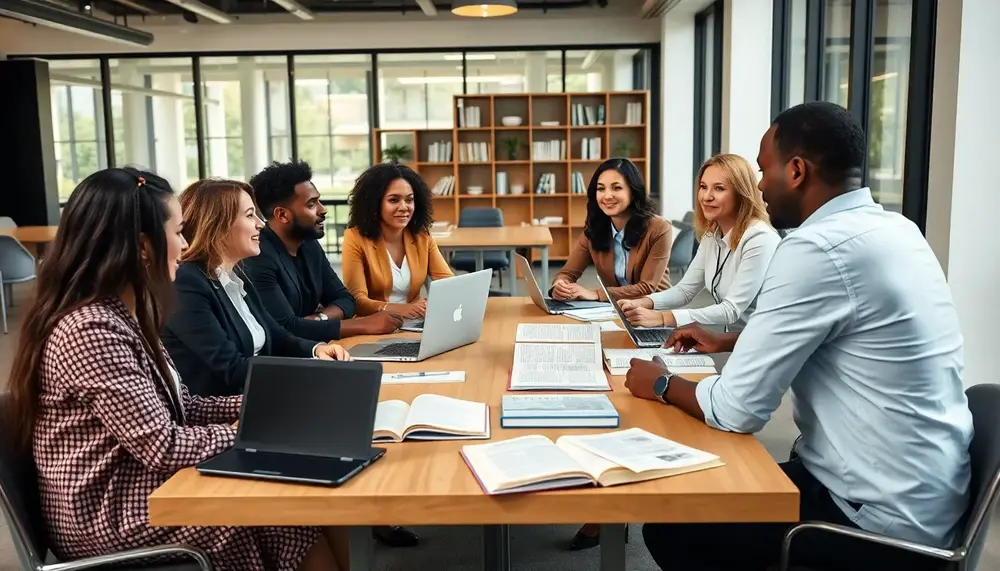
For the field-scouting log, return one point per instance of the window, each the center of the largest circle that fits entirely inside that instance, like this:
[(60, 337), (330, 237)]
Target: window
[(708, 83), (331, 119), (152, 107), (506, 72), (415, 90), (606, 70), (837, 51), (77, 121)]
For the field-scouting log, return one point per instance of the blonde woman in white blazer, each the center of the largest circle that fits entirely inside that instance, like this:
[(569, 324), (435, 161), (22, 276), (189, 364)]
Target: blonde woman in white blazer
[(736, 247)]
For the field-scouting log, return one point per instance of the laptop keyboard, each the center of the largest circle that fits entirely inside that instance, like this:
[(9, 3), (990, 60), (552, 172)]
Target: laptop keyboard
[(399, 350), (556, 305), (651, 335)]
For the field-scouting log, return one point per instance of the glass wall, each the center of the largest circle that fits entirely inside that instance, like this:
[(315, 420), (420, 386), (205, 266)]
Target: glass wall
[(797, 53), (605, 70), (506, 72), (837, 51), (77, 121), (415, 90)]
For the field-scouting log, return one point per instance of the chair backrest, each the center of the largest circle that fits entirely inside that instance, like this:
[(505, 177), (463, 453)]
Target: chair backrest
[(16, 263), (480, 218), (984, 403), (683, 250), (7, 222), (19, 495)]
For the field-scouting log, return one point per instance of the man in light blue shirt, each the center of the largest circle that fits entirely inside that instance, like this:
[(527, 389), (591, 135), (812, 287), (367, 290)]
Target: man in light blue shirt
[(856, 319), (621, 255)]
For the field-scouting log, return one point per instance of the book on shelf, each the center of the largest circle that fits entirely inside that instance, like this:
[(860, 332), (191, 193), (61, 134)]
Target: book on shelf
[(445, 186), (590, 148), (587, 114), (577, 184), (554, 150), (617, 361), (501, 182), (439, 152), (547, 363), (470, 116), (474, 152), (534, 463), (431, 417), (558, 411), (633, 113), (546, 183)]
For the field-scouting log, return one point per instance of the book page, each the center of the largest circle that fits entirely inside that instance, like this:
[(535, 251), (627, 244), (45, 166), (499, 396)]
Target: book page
[(620, 358), (558, 376), (519, 461), (390, 419), (641, 451), (446, 414), (551, 353), (592, 463), (557, 333)]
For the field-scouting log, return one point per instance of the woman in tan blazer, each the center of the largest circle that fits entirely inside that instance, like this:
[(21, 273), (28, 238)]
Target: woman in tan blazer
[(388, 249), (624, 239)]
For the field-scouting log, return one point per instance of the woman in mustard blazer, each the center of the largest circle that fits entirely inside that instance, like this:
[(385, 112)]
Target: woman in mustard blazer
[(388, 249)]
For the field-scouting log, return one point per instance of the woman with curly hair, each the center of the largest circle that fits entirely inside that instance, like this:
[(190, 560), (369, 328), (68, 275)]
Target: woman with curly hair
[(388, 249)]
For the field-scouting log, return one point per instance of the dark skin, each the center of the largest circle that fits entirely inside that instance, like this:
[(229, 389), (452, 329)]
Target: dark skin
[(302, 218), (792, 190)]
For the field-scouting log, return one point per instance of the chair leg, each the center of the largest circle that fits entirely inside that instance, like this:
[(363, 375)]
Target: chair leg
[(500, 276), (3, 309)]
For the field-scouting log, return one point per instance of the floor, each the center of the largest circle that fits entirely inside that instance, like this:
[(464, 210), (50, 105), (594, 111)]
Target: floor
[(533, 548)]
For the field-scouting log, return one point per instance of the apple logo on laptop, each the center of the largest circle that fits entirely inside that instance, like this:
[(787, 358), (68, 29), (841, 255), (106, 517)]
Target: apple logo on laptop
[(457, 315)]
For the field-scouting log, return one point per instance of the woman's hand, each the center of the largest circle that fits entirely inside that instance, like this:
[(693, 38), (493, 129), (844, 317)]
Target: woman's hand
[(629, 304), (641, 317), (332, 352), (569, 291)]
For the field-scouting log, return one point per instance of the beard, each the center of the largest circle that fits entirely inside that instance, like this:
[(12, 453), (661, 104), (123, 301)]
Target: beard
[(303, 232)]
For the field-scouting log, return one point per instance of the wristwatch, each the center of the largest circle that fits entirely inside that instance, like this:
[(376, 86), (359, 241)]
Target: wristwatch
[(660, 386), (322, 316)]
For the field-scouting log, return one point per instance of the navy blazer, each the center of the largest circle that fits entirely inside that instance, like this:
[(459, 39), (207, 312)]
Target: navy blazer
[(208, 340), (289, 296)]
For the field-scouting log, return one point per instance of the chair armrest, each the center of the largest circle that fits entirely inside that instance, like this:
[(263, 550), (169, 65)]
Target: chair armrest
[(198, 555), (938, 553)]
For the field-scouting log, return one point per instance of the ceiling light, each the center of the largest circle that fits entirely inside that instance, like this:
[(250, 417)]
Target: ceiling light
[(203, 9), (296, 9), (483, 8), (47, 14)]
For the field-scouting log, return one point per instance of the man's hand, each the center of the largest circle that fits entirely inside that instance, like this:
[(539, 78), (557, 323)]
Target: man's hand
[(642, 302), (379, 323), (684, 339), (332, 352), (644, 317), (642, 376), (408, 310)]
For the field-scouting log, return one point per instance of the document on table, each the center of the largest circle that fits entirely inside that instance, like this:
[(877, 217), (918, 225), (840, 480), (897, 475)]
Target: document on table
[(608, 326), (592, 314), (557, 333), (617, 360), (558, 366)]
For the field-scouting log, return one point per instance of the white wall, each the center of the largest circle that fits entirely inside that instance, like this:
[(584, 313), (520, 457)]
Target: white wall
[(349, 31), (973, 131), (677, 105), (746, 76)]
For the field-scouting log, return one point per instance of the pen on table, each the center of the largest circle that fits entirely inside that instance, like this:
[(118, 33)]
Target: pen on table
[(423, 374)]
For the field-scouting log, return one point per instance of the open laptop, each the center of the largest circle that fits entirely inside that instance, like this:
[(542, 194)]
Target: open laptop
[(547, 304), (304, 420), (641, 336), (456, 307)]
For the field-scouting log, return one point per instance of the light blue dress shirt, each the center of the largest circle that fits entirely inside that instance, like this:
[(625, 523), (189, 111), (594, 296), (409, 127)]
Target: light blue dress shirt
[(855, 316), (621, 255)]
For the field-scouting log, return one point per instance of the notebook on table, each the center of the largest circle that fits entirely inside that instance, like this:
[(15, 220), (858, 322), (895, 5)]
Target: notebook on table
[(431, 417)]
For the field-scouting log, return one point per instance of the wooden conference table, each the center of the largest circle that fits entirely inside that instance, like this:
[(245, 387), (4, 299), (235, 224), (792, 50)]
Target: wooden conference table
[(428, 483), (506, 238), (35, 236)]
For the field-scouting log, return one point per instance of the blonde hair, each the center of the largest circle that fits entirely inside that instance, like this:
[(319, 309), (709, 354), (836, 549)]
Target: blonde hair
[(740, 177), (211, 207)]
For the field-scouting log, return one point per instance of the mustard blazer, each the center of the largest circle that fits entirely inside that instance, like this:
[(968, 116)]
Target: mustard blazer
[(367, 273)]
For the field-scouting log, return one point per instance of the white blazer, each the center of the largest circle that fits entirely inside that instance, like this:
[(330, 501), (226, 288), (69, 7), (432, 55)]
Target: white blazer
[(733, 277)]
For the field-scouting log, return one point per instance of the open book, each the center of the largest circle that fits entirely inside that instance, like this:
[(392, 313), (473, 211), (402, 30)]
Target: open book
[(617, 360), (533, 463), (431, 417), (560, 357)]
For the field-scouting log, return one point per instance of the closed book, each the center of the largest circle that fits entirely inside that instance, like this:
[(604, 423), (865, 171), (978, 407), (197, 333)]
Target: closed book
[(558, 411)]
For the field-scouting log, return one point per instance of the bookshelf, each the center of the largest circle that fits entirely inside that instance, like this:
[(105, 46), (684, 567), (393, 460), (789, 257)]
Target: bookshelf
[(558, 136)]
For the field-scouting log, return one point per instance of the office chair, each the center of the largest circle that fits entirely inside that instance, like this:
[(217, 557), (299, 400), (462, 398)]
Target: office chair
[(20, 503), (682, 252), (17, 265), (984, 402), (492, 259)]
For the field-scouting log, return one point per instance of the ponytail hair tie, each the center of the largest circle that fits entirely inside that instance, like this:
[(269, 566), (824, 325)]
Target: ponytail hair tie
[(142, 181)]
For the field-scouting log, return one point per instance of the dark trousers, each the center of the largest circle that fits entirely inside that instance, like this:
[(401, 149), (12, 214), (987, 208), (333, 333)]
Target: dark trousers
[(756, 546)]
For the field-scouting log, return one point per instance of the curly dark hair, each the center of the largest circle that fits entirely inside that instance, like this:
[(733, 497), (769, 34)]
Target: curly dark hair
[(369, 189), (825, 134), (275, 185), (598, 225)]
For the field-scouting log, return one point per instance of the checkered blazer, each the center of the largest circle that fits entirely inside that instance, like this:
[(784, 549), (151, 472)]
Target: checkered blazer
[(111, 430)]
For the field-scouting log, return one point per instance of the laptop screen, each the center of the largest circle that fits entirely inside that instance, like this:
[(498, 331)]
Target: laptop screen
[(312, 407)]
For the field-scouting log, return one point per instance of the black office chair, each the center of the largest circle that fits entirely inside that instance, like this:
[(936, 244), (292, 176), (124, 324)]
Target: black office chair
[(481, 218), (984, 402), (681, 253), (21, 506)]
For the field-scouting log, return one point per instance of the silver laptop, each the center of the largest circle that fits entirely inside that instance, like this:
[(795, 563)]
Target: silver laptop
[(456, 307), (547, 304), (641, 336)]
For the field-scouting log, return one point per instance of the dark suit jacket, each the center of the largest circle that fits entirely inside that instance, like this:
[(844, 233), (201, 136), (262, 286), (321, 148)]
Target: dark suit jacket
[(289, 296), (209, 341)]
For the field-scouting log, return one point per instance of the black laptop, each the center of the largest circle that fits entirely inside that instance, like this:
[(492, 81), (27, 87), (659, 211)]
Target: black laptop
[(304, 420)]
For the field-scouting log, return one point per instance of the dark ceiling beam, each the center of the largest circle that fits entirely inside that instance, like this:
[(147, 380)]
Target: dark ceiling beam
[(53, 16)]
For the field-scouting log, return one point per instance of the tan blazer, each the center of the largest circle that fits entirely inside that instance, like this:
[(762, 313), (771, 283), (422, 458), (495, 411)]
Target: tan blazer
[(367, 273), (646, 270)]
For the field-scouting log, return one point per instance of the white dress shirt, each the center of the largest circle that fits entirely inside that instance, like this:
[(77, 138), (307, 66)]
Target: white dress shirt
[(856, 318), (233, 286), (400, 281), (733, 277)]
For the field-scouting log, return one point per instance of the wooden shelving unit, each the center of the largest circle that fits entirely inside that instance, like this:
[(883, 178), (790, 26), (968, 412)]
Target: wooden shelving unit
[(620, 132)]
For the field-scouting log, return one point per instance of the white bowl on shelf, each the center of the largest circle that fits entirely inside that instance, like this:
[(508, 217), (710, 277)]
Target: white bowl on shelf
[(552, 220), (517, 189), (474, 190), (511, 121)]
